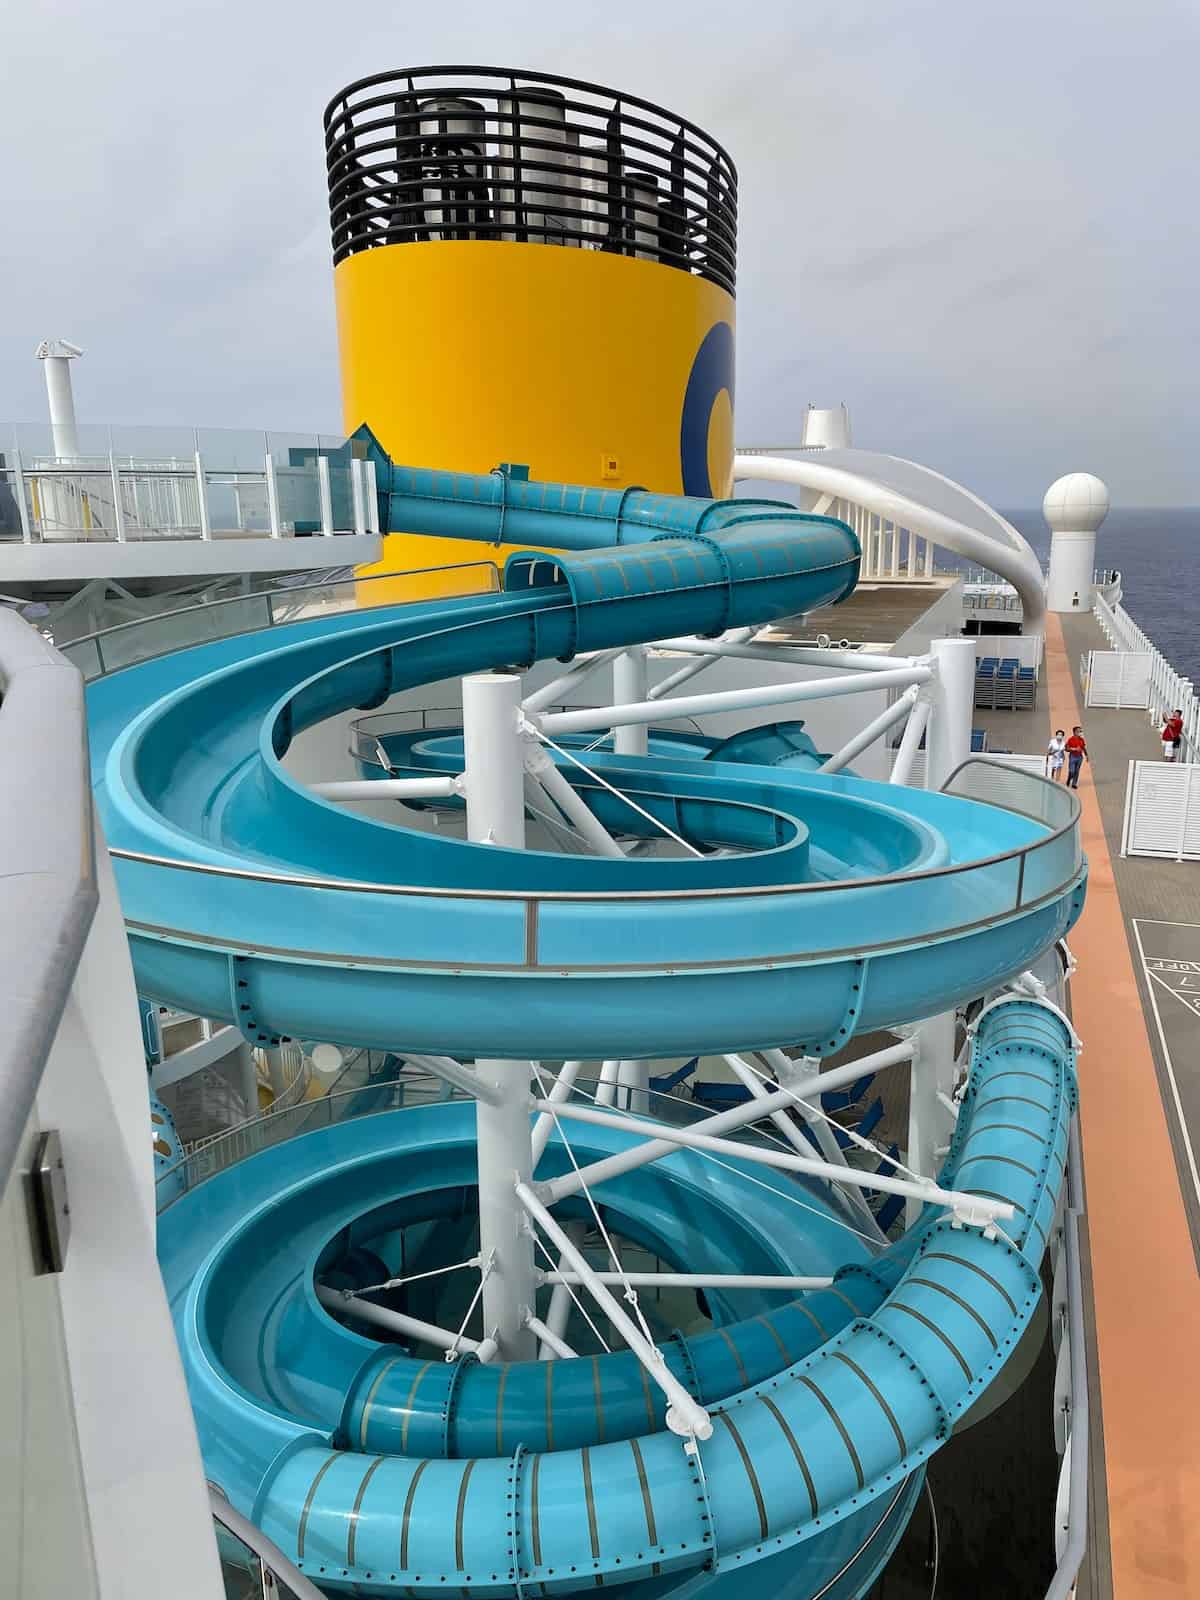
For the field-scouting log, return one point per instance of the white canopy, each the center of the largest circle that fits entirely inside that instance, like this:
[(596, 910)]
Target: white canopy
[(917, 498)]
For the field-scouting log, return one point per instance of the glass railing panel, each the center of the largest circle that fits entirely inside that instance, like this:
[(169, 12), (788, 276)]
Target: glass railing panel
[(175, 630), (10, 509), (237, 500)]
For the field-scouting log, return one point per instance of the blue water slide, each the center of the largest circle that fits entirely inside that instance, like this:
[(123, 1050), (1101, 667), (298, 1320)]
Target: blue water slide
[(847, 906), (386, 1473)]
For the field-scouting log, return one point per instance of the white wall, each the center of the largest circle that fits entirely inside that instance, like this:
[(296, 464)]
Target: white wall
[(1026, 647)]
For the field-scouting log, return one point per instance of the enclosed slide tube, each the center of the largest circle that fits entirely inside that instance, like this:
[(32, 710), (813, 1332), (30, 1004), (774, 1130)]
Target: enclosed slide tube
[(427, 1477), (246, 894)]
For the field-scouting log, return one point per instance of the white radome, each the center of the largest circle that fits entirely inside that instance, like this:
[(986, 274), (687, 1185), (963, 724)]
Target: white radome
[(1076, 503)]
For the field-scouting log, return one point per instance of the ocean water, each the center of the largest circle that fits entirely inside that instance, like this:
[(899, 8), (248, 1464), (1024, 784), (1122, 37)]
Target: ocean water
[(1156, 551)]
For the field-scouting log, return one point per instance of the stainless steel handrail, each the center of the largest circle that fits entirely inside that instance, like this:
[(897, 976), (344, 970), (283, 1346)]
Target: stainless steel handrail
[(267, 595), (48, 885), (268, 1552)]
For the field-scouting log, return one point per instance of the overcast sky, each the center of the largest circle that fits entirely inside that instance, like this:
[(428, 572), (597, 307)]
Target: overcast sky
[(975, 222)]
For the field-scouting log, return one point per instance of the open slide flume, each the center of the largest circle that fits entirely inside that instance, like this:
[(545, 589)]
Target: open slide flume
[(803, 906)]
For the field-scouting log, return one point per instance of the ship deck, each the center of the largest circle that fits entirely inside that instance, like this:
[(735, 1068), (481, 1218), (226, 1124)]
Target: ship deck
[(1136, 1003)]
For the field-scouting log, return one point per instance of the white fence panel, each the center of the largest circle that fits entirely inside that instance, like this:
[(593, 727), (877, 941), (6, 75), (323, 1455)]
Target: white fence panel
[(1118, 678), (1162, 810)]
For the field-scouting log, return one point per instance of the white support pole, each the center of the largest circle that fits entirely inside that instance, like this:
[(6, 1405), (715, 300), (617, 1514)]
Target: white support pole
[(505, 1157), (247, 1070), (633, 1086), (552, 1341), (952, 704), (560, 1090), (542, 769), (202, 497), (431, 788), (910, 743), (694, 1280), (396, 1321), (629, 687), (274, 523), (731, 700), (493, 748), (325, 496), (685, 1416), (796, 1087), (932, 1075), (912, 554), (875, 729), (274, 1058), (495, 778), (969, 1208)]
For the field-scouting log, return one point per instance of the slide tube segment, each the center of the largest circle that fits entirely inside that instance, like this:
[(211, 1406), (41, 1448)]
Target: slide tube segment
[(791, 1454)]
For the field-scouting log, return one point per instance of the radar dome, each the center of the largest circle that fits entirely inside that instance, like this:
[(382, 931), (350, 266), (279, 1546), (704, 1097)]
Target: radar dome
[(1077, 503)]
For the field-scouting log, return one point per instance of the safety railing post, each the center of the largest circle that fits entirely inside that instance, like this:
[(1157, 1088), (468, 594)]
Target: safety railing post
[(118, 508), (356, 497), (272, 497), (325, 496), (22, 504), (202, 492)]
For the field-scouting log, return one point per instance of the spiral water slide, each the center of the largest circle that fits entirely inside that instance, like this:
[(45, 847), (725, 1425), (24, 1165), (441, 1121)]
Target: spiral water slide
[(845, 906)]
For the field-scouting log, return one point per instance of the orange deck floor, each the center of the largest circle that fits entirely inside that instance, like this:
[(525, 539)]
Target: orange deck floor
[(1145, 1284)]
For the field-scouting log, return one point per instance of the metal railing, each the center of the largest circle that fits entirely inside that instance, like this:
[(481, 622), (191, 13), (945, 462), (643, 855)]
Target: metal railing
[(110, 499), (1072, 1423), (1169, 690), (465, 152), (246, 1549), (145, 638)]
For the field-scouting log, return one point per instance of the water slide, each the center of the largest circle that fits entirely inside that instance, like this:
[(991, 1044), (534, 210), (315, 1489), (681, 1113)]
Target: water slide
[(845, 906)]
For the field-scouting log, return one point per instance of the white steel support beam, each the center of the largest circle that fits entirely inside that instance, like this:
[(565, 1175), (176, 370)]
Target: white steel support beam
[(910, 743), (796, 1088), (630, 686), (693, 1280), (685, 1416), (552, 1341), (542, 769), (875, 729), (389, 788), (793, 655), (699, 705), (560, 1090), (456, 1075), (396, 1321), (972, 1209), (549, 694), (633, 1092), (694, 668)]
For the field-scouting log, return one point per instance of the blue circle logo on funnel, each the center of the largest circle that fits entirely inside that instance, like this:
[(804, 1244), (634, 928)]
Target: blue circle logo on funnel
[(711, 375)]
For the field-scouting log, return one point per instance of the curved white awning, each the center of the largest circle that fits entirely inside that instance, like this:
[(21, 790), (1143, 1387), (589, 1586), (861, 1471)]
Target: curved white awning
[(917, 498)]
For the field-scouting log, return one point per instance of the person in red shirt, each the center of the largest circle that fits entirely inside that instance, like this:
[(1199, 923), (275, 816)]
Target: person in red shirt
[(1172, 735), (1076, 756)]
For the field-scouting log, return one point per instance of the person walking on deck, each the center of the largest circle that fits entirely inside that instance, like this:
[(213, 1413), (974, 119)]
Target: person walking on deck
[(1172, 735), (1076, 756), (1056, 755)]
